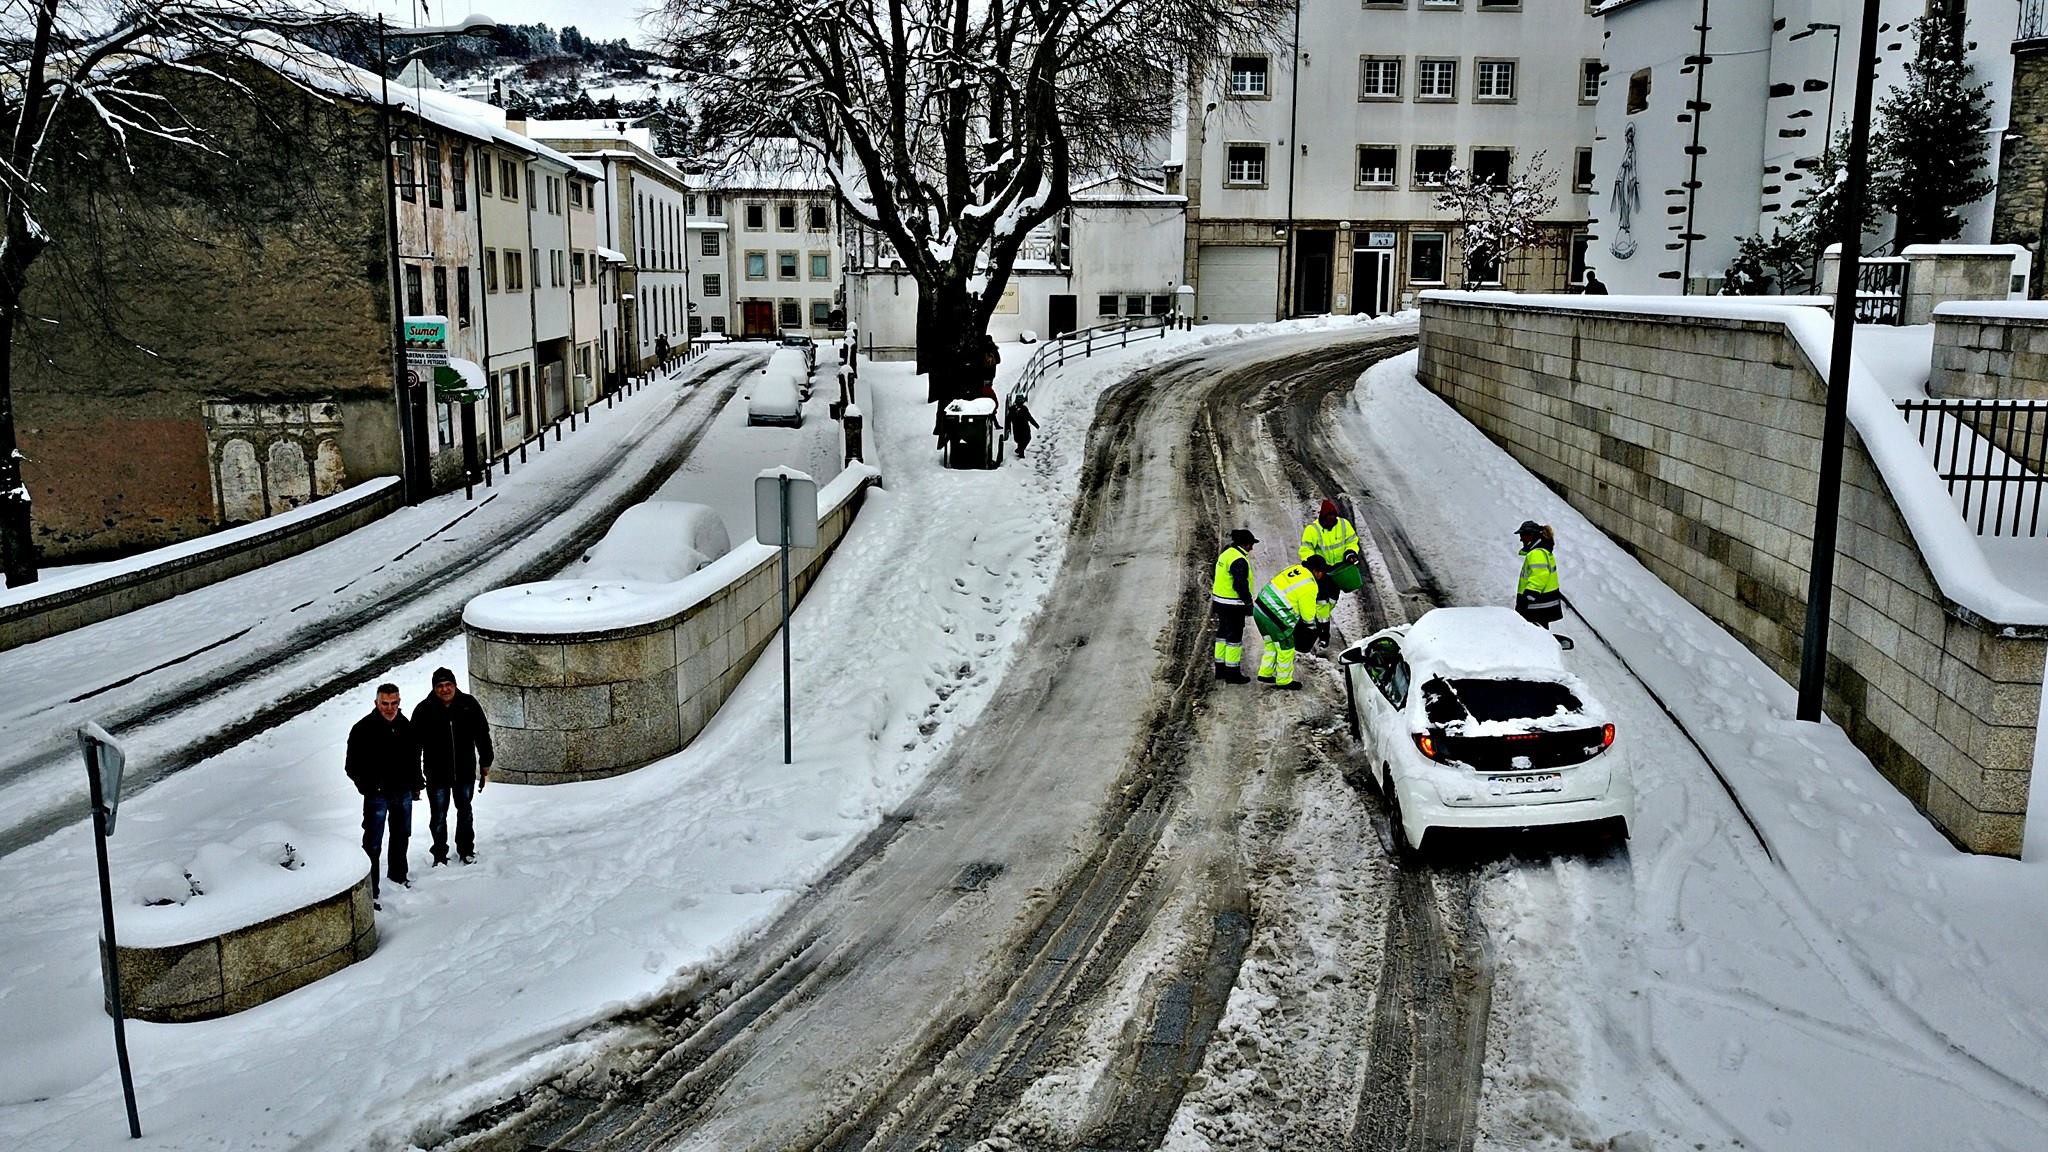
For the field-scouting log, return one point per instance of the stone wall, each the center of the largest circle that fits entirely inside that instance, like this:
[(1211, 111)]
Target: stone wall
[(245, 967), (583, 706), (1989, 354), (2022, 190), (1694, 443)]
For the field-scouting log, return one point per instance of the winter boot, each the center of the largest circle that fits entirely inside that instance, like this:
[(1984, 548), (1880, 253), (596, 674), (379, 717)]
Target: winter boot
[(1236, 676), (1290, 686)]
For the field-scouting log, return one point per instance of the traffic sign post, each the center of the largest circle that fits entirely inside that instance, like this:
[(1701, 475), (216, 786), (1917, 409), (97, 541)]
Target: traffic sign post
[(786, 515), (104, 762)]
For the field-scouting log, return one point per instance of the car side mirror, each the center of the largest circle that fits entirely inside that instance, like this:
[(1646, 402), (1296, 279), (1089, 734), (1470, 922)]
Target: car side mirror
[(1565, 642)]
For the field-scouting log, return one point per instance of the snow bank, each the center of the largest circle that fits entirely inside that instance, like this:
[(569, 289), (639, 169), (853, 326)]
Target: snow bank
[(1951, 551), (572, 606), (269, 870), (655, 542), (1992, 310)]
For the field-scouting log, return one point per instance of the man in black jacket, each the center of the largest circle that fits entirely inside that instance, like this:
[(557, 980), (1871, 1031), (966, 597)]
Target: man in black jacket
[(455, 748), (384, 763)]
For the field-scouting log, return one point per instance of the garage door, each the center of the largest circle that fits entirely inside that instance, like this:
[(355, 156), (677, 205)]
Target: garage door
[(1237, 285)]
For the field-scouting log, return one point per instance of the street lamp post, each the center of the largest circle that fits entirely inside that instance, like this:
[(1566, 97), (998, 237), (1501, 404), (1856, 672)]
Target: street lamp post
[(1813, 657)]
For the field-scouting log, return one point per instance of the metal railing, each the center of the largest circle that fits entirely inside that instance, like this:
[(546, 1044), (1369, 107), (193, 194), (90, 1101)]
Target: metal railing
[(569, 420), (1881, 290), (1993, 454), (1084, 342), (2033, 21)]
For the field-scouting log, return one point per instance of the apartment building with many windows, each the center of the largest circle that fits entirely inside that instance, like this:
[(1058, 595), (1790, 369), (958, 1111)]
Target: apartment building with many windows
[(783, 254), (1312, 166)]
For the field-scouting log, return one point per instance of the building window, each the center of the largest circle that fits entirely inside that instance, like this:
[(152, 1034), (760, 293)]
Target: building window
[(1245, 164), (1436, 80), (785, 217), (533, 187), (1582, 170), (757, 265), (444, 421), (1485, 264), (1248, 77), (1376, 165), (508, 398), (490, 269), (1490, 165), (821, 265), (1499, 5), (458, 176), (718, 325), (1576, 269), (1386, 3), (709, 244), (508, 179), (415, 302), (1496, 82), (1425, 258), (714, 204), (1433, 164), (1589, 81), (433, 174), (1161, 304), (576, 266), (1638, 91), (408, 173), (1134, 305), (483, 172), (515, 271), (821, 220), (714, 284), (1105, 305), (1442, 3), (785, 265), (440, 291), (696, 327), (462, 297), (575, 194), (757, 217), (790, 314), (821, 313), (1379, 78)]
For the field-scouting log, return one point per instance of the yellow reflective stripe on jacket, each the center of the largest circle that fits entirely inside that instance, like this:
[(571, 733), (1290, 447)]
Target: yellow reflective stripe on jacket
[(1539, 572), (1297, 587), (1333, 544), (1223, 588)]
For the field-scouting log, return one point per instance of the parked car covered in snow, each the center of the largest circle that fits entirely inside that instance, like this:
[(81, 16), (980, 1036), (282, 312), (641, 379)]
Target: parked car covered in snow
[(799, 339), (1468, 719), (776, 393)]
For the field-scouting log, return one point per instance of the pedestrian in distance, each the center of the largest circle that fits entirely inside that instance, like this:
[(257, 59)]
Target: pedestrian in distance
[(661, 352), (1230, 593), (1333, 538), (1284, 612), (1021, 424), (1593, 285), (455, 758), (384, 762), (1537, 598)]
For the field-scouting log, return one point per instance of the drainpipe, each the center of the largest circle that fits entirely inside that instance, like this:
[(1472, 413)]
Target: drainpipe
[(1293, 149), (483, 312), (1692, 178), (527, 257)]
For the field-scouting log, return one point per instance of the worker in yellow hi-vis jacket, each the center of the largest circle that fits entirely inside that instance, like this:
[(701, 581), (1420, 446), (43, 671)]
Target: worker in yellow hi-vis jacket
[(1284, 613), (1536, 594), (1333, 538), (1230, 591)]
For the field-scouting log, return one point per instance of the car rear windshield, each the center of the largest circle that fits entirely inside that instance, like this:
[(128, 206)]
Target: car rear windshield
[(1448, 701)]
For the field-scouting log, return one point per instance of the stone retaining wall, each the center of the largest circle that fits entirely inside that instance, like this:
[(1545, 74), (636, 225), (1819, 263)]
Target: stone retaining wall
[(245, 550), (1989, 354), (1694, 442), (245, 967), (583, 706)]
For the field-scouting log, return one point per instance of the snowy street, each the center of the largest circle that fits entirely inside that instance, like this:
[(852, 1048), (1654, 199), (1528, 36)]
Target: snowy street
[(1035, 880)]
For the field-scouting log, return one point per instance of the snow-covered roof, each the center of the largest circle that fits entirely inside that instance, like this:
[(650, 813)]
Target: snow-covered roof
[(615, 128), (1480, 642), (611, 255), (771, 166)]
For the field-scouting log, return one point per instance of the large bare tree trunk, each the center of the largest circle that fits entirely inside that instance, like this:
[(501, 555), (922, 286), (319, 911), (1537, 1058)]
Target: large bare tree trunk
[(17, 534), (949, 347)]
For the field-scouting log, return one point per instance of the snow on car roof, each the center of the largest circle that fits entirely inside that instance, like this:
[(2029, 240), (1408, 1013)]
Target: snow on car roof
[(1490, 642)]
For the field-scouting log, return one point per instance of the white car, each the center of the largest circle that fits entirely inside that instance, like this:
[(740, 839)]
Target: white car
[(776, 394), (1468, 719)]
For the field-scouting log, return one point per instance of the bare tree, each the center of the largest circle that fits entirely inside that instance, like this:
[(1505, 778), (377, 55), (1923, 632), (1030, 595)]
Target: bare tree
[(1498, 217), (69, 87), (952, 128)]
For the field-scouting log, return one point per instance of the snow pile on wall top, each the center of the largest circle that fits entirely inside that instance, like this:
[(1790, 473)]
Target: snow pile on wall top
[(1994, 310), (656, 542), (1952, 552), (265, 872), (572, 607)]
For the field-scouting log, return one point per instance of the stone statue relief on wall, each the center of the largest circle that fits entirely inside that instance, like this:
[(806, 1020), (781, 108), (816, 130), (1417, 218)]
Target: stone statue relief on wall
[(1627, 200)]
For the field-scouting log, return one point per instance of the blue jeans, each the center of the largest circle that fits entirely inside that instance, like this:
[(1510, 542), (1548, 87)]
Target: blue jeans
[(437, 819), (377, 809)]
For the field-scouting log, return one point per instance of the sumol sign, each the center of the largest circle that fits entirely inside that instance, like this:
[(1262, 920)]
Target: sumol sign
[(426, 341)]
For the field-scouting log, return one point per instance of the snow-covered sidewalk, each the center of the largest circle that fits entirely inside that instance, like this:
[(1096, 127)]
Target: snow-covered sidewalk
[(1872, 988), (589, 897)]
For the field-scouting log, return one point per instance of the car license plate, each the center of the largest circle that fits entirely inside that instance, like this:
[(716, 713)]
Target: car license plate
[(1523, 785)]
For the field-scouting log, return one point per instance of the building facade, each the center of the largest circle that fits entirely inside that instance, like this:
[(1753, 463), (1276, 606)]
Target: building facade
[(1312, 169), (783, 255)]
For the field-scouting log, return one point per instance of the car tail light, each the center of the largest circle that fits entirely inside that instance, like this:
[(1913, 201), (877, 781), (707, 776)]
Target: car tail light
[(1607, 736), (1426, 744)]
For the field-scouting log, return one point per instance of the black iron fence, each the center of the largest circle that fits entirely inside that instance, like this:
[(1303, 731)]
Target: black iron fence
[(1881, 290), (2033, 21), (1992, 454), (1084, 342)]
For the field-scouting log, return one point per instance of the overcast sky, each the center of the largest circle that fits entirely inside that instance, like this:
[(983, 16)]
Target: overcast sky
[(597, 19)]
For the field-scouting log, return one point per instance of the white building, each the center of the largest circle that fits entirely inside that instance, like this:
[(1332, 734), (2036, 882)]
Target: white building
[(783, 254), (1692, 159), (1311, 172)]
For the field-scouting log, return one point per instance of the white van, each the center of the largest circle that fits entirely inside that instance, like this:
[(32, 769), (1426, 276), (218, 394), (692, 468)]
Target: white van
[(777, 391)]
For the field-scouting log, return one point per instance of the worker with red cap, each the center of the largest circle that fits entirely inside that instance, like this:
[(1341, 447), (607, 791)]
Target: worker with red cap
[(1333, 538)]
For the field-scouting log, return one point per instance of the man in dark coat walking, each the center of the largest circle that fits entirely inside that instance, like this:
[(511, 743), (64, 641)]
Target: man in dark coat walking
[(455, 751), (384, 763)]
